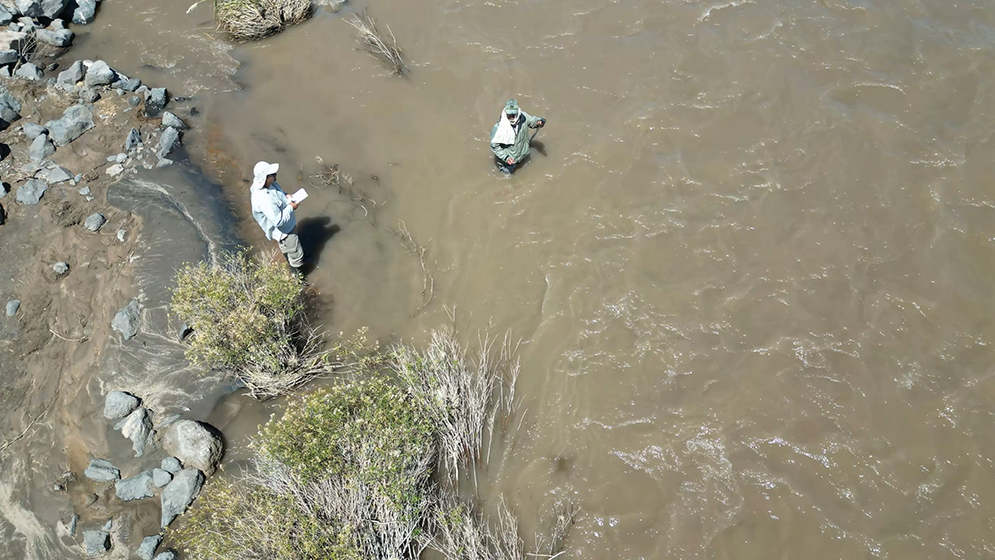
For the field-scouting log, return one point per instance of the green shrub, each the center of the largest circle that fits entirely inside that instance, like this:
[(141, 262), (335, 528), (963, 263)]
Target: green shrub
[(235, 521), (245, 312), (368, 431)]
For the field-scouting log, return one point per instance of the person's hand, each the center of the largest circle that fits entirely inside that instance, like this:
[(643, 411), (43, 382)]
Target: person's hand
[(510, 160), (293, 205), (542, 123)]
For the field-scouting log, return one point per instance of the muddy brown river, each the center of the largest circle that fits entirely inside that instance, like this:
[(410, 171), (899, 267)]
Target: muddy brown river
[(752, 263)]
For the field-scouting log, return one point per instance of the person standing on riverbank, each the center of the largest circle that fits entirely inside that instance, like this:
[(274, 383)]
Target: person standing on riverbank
[(274, 212), (510, 136)]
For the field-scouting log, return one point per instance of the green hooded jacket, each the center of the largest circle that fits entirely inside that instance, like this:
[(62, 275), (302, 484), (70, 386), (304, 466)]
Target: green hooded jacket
[(520, 149)]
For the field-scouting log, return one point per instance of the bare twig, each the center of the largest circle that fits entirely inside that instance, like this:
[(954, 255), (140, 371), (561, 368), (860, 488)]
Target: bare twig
[(4, 445), (428, 282), (376, 44)]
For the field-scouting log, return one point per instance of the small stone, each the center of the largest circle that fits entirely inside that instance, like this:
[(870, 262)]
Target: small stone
[(78, 177), (120, 235), (144, 90), (41, 148), (27, 24), (135, 488), (166, 555), (94, 222), (134, 139), (126, 321), (73, 74), (161, 478), (31, 191), (171, 120), (61, 268), (56, 175), (12, 307), (87, 95), (118, 404), (99, 74), (84, 191), (163, 162), (134, 101), (72, 525), (102, 470), (89, 199), (155, 102), (109, 525), (29, 71), (96, 543), (52, 67), (147, 549), (115, 170), (121, 158), (185, 331), (32, 130), (171, 465)]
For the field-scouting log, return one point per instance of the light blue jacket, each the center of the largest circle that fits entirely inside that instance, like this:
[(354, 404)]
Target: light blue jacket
[(273, 212)]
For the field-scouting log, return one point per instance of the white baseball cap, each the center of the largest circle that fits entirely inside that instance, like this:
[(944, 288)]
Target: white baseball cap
[(261, 171)]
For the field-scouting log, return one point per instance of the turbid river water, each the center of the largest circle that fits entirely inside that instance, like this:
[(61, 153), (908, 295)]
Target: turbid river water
[(752, 266)]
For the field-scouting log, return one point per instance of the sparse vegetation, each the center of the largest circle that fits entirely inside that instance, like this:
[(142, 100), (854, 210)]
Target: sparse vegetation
[(374, 42), (255, 19)]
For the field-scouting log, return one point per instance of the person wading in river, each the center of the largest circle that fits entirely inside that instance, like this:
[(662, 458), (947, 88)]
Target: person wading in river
[(274, 212), (510, 136)]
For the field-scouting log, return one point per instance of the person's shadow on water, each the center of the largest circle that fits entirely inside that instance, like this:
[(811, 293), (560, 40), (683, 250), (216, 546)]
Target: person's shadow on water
[(538, 146), (314, 233)]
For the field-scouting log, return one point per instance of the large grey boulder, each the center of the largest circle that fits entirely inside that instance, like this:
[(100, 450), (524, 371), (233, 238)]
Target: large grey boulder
[(126, 320), (118, 404), (41, 147), (56, 38), (31, 191), (167, 141), (161, 478), (180, 493), (85, 11), (96, 543), (71, 75), (41, 8), (32, 130), (29, 71), (196, 444), (171, 120), (138, 428), (74, 122), (95, 222), (12, 307), (99, 74), (147, 549), (60, 269), (102, 470), (171, 465), (135, 488), (155, 102), (8, 56), (10, 107)]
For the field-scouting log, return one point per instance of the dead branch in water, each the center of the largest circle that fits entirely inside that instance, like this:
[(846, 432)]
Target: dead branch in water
[(428, 282), (332, 176), (376, 44), (18, 437)]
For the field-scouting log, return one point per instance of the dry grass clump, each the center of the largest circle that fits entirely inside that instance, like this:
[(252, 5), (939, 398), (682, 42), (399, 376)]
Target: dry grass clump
[(383, 49), (254, 19)]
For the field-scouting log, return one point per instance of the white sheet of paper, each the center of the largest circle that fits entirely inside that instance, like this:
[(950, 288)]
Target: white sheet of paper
[(298, 196)]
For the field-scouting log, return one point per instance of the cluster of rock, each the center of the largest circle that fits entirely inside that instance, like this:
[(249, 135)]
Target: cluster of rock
[(36, 28), (194, 451)]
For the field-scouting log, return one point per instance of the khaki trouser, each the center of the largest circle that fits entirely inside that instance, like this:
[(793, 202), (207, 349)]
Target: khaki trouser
[(291, 247)]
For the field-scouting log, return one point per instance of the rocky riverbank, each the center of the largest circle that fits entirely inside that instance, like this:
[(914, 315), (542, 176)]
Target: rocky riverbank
[(92, 225)]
